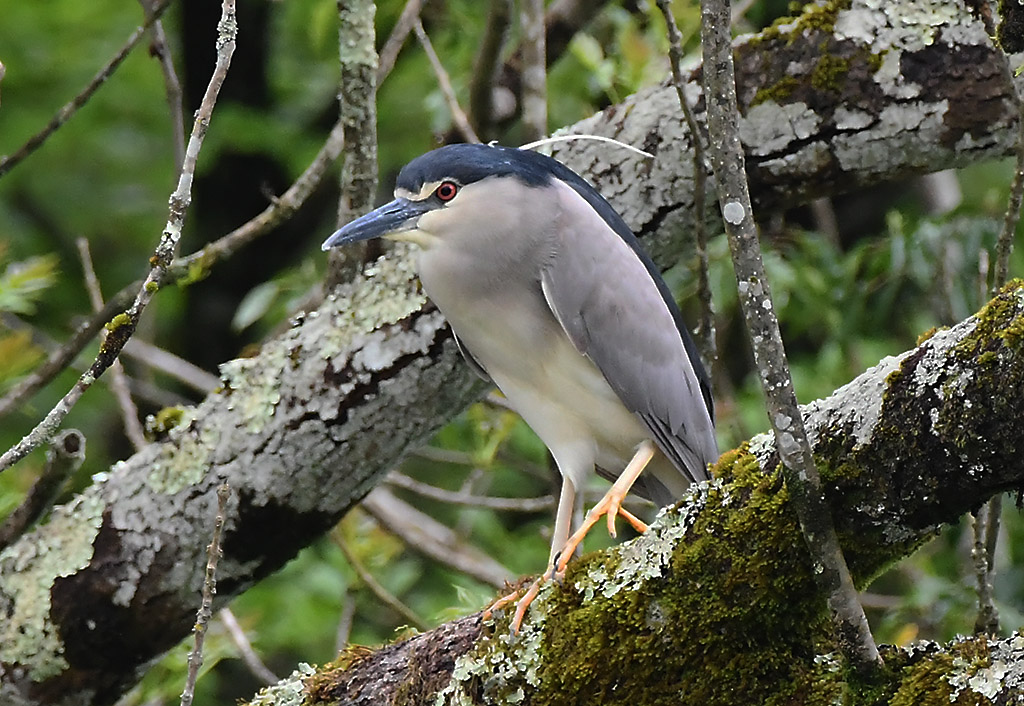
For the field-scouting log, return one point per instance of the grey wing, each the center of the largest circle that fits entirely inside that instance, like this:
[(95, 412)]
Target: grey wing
[(614, 312)]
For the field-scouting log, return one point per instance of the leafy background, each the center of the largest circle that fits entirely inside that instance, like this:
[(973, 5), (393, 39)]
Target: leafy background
[(896, 267)]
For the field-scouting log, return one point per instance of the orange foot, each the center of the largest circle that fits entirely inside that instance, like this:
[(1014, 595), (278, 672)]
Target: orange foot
[(609, 506)]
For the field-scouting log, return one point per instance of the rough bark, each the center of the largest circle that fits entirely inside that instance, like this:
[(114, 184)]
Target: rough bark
[(305, 428), (717, 603)]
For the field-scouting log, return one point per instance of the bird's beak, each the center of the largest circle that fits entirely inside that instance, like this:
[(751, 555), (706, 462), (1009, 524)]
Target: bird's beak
[(395, 217)]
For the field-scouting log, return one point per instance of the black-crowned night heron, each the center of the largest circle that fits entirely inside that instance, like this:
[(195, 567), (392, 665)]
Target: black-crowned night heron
[(551, 297)]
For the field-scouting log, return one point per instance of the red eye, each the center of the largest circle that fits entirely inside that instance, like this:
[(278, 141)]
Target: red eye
[(447, 190)]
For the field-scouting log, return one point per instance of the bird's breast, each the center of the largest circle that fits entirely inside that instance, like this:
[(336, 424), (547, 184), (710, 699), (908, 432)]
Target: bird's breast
[(507, 326)]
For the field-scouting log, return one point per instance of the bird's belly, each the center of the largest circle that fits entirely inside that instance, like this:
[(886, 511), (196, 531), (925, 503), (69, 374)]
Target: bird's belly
[(560, 393)]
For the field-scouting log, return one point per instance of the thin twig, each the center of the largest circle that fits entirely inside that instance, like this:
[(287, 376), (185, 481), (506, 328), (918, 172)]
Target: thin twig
[(123, 326), (852, 634), (383, 595), (706, 327), (64, 114), (159, 48), (348, 614), (400, 480), (252, 660), (485, 66), (427, 536), (987, 620), (1004, 246), (169, 364), (535, 73), (213, 553), (187, 268), (63, 458), (395, 41), (986, 521), (445, 83), (118, 378)]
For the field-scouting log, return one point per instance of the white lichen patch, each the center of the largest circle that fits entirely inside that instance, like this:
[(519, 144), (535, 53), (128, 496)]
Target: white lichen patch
[(255, 388), (1003, 674), (857, 405), (27, 572), (501, 665), (769, 127), (184, 463), (647, 557), (389, 293), (931, 369), (290, 691), (897, 131), (887, 26)]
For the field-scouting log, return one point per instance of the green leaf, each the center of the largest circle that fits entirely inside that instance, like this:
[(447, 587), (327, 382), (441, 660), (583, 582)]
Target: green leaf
[(254, 305), (23, 282)]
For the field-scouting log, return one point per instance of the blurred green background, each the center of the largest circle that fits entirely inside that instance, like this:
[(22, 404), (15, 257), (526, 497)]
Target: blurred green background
[(897, 265)]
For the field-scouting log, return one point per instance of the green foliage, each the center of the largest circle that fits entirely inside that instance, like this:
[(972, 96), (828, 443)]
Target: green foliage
[(23, 283)]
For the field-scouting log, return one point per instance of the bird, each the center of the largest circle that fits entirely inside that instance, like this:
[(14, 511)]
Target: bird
[(550, 297)]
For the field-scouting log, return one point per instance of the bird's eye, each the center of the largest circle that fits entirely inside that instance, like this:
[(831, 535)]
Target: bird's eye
[(446, 191)]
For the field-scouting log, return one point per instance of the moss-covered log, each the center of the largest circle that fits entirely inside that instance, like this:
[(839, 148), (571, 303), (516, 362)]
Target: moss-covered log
[(716, 604)]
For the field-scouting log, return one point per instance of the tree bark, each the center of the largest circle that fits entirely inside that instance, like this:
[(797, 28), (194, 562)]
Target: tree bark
[(302, 431)]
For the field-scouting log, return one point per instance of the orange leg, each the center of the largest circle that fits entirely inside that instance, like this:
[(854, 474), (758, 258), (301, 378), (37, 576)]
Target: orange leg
[(610, 505)]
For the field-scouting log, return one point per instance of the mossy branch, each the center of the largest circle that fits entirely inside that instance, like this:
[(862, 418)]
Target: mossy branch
[(717, 604)]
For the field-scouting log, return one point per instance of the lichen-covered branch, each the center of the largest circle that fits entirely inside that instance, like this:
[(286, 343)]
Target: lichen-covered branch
[(301, 432), (718, 603)]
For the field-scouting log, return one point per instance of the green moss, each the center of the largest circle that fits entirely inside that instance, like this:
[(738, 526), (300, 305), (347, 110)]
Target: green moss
[(163, 421), (876, 60), (152, 287), (118, 321), (815, 17), (779, 92)]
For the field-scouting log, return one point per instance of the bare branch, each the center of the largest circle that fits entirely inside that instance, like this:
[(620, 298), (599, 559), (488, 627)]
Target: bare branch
[(535, 71), (485, 67), (118, 378), (69, 109), (706, 327), (252, 660), (465, 499), (801, 475), (123, 326), (395, 41), (426, 535), (63, 458), (159, 48), (445, 84), (213, 554), (383, 595), (357, 97), (169, 364)]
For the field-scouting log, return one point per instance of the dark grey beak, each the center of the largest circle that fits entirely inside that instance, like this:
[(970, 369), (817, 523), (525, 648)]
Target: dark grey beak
[(394, 217)]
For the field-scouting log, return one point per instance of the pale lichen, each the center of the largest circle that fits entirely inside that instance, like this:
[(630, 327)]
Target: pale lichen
[(290, 691), (28, 569)]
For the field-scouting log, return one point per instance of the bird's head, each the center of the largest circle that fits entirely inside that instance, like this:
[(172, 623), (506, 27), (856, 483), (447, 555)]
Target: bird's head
[(454, 191)]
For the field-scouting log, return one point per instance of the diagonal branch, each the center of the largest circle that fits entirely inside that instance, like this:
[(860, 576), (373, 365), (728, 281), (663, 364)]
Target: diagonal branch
[(802, 480), (123, 326), (8, 162)]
